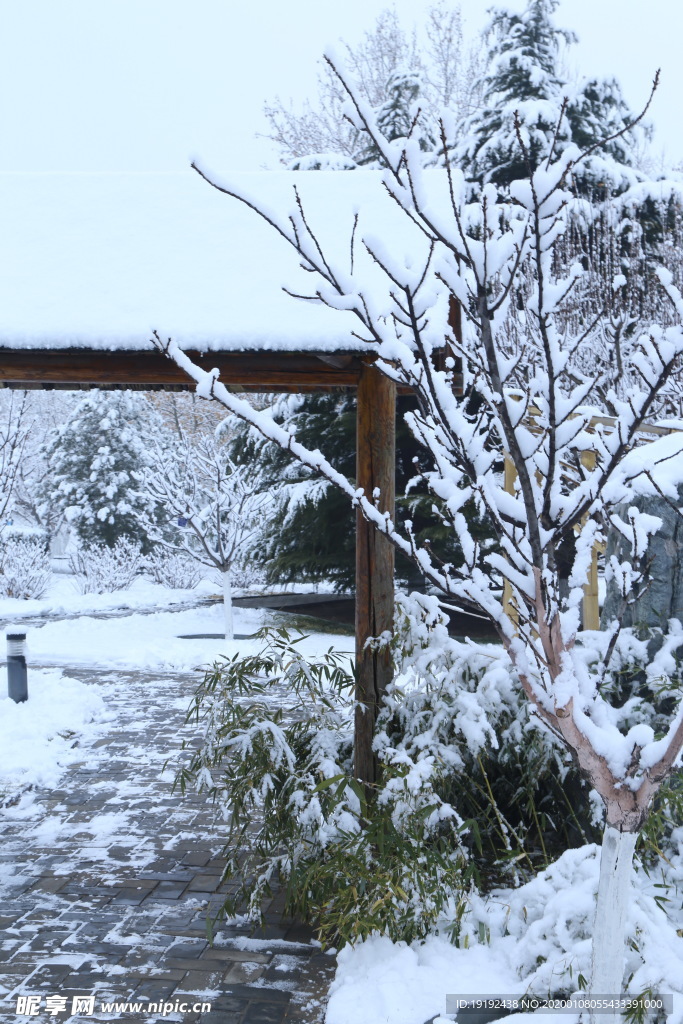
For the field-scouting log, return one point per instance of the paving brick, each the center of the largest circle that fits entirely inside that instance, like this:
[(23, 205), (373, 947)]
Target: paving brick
[(154, 990), (237, 955), (261, 995), (177, 963), (244, 972), (265, 1013), (49, 884), (189, 948), (169, 890), (197, 859), (196, 982), (205, 883), (228, 1003), (222, 1017)]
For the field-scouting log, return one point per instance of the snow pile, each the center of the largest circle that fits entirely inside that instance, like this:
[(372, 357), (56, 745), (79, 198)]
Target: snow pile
[(399, 984), (40, 737), (532, 939)]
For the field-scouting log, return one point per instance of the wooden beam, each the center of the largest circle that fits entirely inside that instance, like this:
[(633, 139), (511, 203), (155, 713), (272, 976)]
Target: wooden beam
[(375, 461), (243, 371)]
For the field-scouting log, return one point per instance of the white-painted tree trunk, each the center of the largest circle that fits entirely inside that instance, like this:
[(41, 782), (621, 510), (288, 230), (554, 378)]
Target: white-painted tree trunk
[(611, 915), (227, 604)]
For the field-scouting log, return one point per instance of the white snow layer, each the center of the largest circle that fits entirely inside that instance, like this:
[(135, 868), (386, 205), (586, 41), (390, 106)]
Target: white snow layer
[(154, 641), (539, 942), (40, 737), (101, 260)]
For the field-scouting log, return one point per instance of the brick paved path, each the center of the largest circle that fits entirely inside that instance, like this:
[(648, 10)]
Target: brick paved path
[(110, 883)]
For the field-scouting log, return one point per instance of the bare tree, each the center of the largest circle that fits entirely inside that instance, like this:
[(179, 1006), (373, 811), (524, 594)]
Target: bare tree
[(44, 411), (208, 508), (542, 407), (449, 70), (15, 429)]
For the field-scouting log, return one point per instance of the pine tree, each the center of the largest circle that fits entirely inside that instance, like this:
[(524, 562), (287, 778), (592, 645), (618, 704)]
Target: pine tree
[(310, 534), (94, 460), (526, 97), (522, 82), (399, 117)]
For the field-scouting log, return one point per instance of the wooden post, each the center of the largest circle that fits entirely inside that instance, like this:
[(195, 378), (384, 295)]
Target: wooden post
[(591, 606), (509, 481), (375, 468)]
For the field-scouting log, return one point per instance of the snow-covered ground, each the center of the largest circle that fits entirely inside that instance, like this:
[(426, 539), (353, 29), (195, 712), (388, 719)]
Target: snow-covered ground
[(39, 738), (539, 938), (153, 641), (65, 599)]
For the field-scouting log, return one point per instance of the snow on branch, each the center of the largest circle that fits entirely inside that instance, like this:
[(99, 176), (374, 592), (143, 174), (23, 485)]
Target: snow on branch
[(537, 393)]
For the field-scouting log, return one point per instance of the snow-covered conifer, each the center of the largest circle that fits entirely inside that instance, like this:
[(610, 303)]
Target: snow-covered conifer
[(526, 91), (399, 117), (95, 460), (522, 81)]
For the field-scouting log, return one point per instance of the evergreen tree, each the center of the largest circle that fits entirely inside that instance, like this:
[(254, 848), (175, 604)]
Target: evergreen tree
[(399, 117), (311, 534), (525, 86), (95, 459), (531, 113), (522, 81)]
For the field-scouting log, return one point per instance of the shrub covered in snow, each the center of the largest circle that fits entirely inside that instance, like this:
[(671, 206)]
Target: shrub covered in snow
[(174, 569), (457, 802), (100, 569), (546, 925), (24, 566)]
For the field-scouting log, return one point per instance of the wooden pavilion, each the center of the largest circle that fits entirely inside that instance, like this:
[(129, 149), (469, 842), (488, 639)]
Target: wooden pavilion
[(92, 264)]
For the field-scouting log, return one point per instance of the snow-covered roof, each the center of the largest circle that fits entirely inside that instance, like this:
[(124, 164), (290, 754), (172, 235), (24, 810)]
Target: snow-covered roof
[(101, 260)]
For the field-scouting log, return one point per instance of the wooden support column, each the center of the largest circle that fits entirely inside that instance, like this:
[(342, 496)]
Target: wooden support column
[(591, 606), (375, 468), (509, 603)]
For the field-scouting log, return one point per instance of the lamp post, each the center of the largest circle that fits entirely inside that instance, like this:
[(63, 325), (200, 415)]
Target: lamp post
[(17, 676)]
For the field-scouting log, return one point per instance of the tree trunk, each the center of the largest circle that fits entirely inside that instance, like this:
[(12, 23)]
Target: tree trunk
[(227, 604), (611, 915), (376, 445)]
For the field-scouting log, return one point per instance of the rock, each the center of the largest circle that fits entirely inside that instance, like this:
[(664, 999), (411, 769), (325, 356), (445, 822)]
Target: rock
[(663, 596)]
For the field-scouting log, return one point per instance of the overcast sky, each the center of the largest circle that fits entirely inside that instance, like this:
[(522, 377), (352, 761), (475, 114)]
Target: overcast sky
[(145, 85)]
